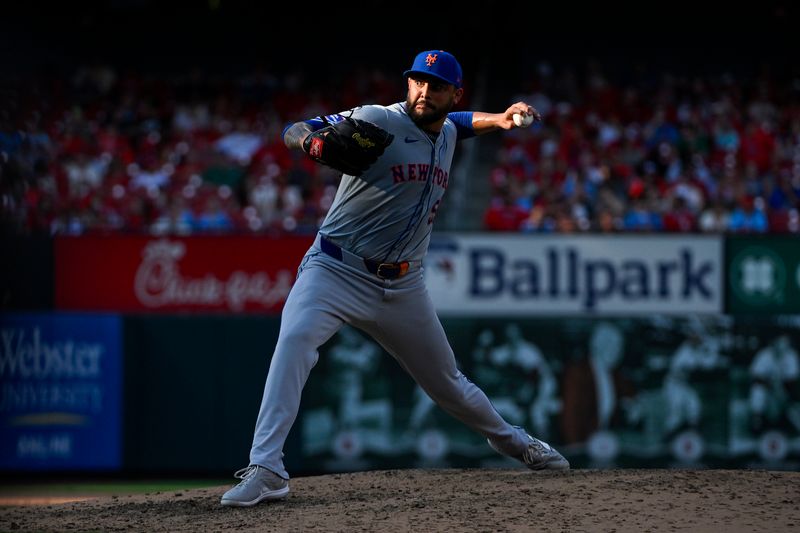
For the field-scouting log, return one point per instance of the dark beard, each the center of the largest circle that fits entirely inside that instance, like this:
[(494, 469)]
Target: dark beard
[(422, 118)]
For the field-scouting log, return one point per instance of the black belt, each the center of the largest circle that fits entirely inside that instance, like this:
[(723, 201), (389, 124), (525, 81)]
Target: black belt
[(382, 270)]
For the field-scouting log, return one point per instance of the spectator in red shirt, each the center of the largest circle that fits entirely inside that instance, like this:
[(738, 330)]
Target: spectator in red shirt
[(680, 218), (504, 214)]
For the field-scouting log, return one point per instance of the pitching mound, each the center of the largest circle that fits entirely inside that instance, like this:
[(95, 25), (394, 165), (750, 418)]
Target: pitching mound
[(456, 500)]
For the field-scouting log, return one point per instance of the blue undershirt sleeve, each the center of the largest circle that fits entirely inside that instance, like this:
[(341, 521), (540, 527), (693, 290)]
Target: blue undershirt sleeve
[(463, 122), (316, 123)]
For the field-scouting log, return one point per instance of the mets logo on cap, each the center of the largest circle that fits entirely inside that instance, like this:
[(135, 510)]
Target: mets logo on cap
[(438, 64)]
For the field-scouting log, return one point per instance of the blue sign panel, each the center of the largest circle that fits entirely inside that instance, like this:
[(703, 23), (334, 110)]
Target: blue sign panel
[(60, 391)]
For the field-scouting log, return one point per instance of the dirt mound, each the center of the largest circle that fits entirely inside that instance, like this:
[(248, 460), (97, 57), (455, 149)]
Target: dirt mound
[(456, 500)]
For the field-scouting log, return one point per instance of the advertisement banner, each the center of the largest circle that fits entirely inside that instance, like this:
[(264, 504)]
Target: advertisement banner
[(60, 392), (763, 274), (206, 274), (661, 391), (562, 275)]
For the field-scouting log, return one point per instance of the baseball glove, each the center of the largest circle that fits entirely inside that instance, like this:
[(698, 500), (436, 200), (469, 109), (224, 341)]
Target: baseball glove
[(349, 146)]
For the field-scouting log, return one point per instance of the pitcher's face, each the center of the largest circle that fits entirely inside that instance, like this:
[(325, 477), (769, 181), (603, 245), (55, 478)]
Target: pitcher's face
[(430, 100)]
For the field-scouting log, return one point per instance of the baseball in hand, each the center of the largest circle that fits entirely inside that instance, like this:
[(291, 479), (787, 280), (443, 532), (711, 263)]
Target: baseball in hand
[(522, 120)]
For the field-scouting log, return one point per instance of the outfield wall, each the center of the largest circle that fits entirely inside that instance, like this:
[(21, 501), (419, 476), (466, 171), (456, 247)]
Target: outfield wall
[(652, 373)]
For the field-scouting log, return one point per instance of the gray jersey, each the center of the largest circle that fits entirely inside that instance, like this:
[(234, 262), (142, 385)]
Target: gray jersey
[(387, 213)]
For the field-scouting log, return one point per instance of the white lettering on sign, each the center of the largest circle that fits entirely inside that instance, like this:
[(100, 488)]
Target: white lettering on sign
[(24, 354), (44, 446), (159, 283)]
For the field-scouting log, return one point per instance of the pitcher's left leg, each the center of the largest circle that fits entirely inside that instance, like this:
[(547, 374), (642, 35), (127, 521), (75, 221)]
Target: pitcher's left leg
[(408, 328)]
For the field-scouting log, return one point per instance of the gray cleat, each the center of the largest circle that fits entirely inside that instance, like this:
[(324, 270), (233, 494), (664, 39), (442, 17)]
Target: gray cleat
[(541, 456), (258, 484)]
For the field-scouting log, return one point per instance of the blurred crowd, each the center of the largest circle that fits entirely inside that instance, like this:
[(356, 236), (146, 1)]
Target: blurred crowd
[(674, 154), (112, 150)]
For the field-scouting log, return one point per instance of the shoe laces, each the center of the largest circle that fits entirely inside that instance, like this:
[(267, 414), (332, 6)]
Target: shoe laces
[(245, 473)]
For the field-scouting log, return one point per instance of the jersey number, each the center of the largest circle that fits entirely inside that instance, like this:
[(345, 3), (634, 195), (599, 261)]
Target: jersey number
[(434, 210)]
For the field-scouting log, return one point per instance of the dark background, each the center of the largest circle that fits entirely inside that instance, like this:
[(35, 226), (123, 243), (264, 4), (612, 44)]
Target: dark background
[(323, 38)]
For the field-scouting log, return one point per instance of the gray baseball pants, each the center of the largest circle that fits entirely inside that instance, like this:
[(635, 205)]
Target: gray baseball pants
[(400, 316)]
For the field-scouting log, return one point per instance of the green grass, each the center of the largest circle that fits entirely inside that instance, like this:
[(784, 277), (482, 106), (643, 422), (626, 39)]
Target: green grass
[(105, 488)]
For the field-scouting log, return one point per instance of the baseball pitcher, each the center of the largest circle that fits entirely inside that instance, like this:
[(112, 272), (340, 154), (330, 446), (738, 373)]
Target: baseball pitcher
[(364, 268)]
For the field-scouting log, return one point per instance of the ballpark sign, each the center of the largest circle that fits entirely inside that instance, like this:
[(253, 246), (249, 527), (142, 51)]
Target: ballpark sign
[(545, 275), (217, 274)]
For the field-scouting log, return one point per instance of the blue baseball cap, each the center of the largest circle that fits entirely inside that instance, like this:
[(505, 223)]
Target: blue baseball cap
[(439, 64)]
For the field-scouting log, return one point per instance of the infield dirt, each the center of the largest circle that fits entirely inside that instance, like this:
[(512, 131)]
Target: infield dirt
[(455, 500)]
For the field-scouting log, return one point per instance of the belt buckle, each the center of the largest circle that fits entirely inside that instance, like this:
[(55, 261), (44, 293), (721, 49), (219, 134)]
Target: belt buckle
[(388, 271), (391, 270)]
